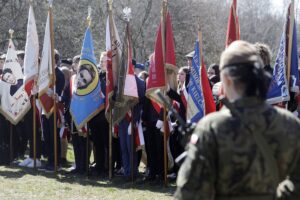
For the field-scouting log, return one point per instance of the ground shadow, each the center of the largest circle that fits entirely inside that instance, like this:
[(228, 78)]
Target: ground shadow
[(15, 172)]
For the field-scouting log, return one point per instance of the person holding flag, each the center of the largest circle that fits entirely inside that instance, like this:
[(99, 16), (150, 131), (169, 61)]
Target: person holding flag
[(29, 61), (79, 139), (133, 93), (51, 82), (15, 102), (100, 128), (88, 99)]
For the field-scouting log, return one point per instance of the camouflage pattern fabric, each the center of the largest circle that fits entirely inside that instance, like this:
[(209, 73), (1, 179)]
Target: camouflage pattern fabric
[(224, 160)]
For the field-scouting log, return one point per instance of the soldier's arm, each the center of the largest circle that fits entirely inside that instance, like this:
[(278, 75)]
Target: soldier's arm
[(295, 178), (197, 175)]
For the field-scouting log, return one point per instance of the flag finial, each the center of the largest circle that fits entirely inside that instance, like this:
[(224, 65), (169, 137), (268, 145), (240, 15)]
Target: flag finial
[(89, 18), (165, 2), (110, 2), (11, 32), (50, 3), (127, 14)]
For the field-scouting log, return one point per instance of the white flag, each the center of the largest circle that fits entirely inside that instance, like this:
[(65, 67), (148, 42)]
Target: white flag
[(31, 52), (45, 72)]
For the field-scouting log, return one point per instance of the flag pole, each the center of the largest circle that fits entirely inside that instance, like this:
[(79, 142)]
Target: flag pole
[(53, 82), (34, 114), (11, 143), (87, 150), (163, 29), (33, 99), (290, 44), (34, 130), (110, 108), (34, 120), (132, 147), (89, 21), (11, 32), (110, 144), (202, 62)]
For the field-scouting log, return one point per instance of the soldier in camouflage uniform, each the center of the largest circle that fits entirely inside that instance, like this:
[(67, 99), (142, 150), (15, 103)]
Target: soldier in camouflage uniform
[(248, 150)]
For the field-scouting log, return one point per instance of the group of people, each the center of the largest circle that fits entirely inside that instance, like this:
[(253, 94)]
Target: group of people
[(221, 139)]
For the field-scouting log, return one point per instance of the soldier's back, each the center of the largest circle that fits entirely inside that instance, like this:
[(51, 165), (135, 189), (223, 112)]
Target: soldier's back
[(227, 161)]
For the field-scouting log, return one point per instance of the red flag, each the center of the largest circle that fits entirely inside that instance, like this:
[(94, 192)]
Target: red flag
[(156, 79), (109, 83), (233, 28), (210, 105), (171, 69), (162, 68)]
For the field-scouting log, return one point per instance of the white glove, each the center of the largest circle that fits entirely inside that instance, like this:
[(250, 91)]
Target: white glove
[(34, 90), (50, 92), (168, 88), (129, 129), (174, 124), (285, 188), (159, 124)]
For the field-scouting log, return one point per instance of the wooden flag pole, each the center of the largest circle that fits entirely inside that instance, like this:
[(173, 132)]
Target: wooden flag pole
[(110, 144), (201, 63), (132, 148), (54, 85), (87, 150), (163, 29), (290, 44), (34, 131), (11, 150), (89, 21), (110, 2), (33, 118)]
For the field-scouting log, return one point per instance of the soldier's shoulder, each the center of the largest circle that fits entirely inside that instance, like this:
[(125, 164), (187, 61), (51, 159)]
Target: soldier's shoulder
[(219, 117), (213, 120), (286, 116)]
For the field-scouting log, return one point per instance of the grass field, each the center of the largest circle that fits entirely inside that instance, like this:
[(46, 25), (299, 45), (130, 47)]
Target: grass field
[(22, 183), (18, 183)]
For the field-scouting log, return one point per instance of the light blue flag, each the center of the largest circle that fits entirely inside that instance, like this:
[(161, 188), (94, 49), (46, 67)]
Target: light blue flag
[(278, 90), (87, 97), (195, 104)]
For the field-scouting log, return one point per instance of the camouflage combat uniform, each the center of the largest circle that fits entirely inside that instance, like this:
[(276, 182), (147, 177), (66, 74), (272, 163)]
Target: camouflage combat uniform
[(224, 161)]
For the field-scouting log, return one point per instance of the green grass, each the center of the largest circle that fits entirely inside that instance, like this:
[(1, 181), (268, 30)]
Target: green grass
[(23, 183)]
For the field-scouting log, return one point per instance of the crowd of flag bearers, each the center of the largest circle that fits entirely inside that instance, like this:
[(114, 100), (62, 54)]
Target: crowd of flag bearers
[(111, 108)]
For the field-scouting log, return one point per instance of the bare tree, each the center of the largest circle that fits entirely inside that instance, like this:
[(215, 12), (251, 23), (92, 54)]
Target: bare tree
[(258, 23)]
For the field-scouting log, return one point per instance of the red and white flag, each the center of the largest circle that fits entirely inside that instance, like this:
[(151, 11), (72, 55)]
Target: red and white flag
[(113, 44), (45, 73), (130, 86), (31, 52), (114, 54)]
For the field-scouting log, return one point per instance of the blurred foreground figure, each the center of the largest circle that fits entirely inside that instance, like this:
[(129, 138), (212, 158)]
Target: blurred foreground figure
[(249, 149)]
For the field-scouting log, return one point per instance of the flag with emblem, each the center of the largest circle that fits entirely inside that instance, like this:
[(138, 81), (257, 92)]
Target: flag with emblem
[(15, 102), (87, 97)]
